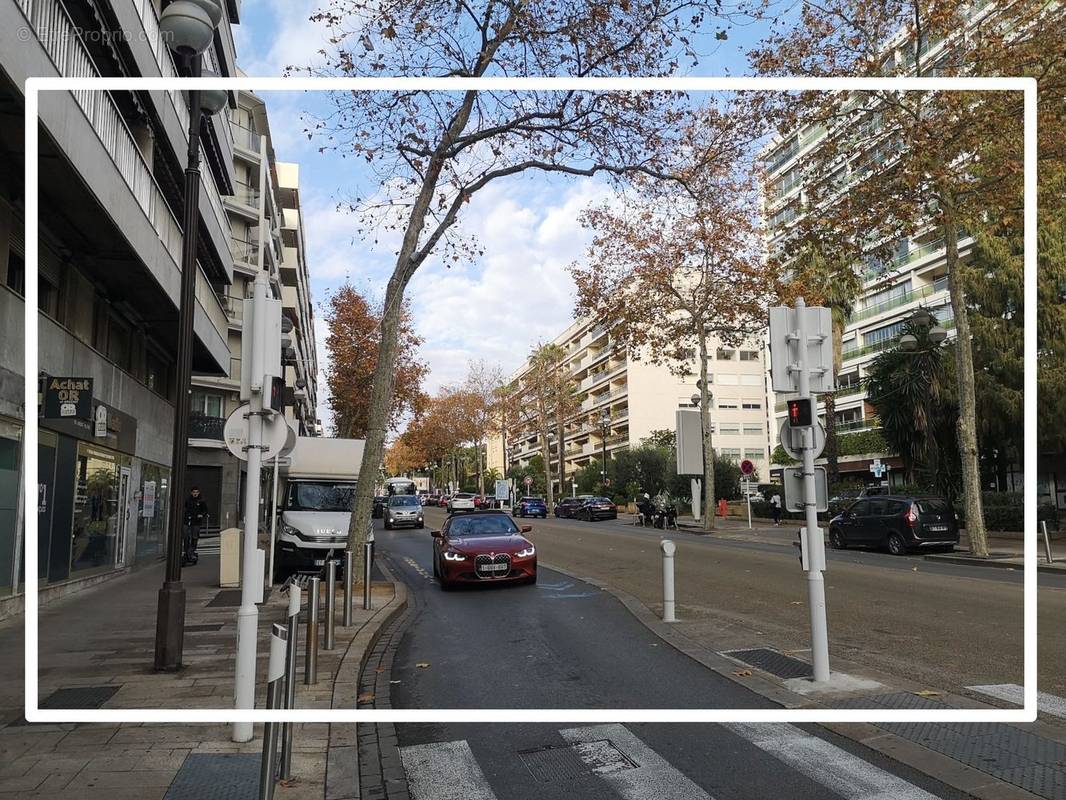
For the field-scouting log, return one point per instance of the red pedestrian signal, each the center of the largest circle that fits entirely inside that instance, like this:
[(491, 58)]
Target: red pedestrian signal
[(799, 413)]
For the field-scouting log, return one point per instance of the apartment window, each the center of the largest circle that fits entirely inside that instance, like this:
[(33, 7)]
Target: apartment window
[(882, 334), (119, 343), (754, 453), (157, 373), (752, 429), (16, 272), (726, 405), (749, 355), (725, 355), (48, 297), (848, 381), (210, 405), (729, 452), (885, 295), (751, 405), (729, 427), (751, 380)]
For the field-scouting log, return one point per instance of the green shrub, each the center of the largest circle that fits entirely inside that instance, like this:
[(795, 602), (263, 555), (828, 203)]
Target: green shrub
[(1003, 511), (861, 442)]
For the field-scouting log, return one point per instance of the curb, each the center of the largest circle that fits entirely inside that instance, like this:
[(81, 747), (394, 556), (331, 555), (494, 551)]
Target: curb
[(1041, 566), (936, 765), (342, 751)]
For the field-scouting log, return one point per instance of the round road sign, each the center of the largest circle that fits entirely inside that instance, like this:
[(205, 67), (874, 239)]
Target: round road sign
[(235, 433), (790, 439), (528, 481), (746, 467)]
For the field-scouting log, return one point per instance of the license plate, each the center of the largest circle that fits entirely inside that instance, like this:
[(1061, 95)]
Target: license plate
[(320, 562), (937, 527), (495, 568)]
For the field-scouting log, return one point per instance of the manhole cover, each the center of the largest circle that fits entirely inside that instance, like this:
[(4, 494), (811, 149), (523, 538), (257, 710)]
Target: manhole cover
[(231, 597), (80, 697), (202, 628), (773, 662), (548, 764), (602, 757), (216, 776)]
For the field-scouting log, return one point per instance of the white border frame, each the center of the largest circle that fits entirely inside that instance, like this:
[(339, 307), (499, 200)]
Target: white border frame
[(1027, 713)]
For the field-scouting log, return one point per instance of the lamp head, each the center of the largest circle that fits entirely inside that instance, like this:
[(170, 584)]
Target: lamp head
[(188, 26), (908, 342), (212, 100)]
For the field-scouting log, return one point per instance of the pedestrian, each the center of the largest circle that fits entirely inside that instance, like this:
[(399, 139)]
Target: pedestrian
[(775, 508), (195, 514), (723, 508)]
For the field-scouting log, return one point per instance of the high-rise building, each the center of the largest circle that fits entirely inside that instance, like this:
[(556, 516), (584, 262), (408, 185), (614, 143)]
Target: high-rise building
[(622, 400)]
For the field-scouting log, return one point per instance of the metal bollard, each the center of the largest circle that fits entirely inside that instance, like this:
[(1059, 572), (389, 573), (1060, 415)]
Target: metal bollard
[(331, 603), (275, 687), (290, 680), (668, 548), (348, 579), (311, 653), (1047, 541), (368, 565)]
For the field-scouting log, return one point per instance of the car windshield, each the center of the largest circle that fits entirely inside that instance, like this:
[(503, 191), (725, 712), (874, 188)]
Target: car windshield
[(464, 496), (598, 500), (532, 500), (403, 500), (321, 496), (933, 506), (488, 525)]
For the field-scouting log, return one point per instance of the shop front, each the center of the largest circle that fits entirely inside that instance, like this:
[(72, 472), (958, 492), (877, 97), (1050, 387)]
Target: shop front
[(10, 505)]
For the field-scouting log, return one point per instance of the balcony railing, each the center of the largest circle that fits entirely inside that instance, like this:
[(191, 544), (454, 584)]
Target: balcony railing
[(234, 307), (246, 195), (202, 426), (246, 138), (900, 300), (247, 252)]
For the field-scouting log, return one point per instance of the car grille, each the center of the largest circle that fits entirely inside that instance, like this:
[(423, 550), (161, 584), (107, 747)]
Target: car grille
[(492, 566)]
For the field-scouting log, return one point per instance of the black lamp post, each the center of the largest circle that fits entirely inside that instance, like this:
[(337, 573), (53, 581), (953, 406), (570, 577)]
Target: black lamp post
[(188, 26)]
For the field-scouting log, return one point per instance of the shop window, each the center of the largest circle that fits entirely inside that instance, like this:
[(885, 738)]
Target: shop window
[(151, 510), (97, 511)]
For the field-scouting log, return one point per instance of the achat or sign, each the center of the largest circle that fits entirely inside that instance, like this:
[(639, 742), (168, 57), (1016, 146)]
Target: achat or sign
[(68, 398)]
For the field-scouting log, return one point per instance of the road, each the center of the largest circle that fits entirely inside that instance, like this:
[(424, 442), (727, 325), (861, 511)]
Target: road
[(948, 626), (564, 643)]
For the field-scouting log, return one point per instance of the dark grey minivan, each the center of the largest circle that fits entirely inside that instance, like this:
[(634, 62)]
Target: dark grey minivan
[(898, 522)]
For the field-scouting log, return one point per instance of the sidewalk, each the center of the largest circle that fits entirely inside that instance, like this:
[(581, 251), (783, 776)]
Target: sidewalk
[(100, 643)]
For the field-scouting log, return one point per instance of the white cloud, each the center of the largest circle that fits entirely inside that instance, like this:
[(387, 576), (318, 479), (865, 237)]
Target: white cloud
[(295, 41)]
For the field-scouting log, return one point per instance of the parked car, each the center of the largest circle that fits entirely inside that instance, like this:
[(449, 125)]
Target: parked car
[(444, 498), (462, 501), (403, 510), (431, 500), (480, 547), (596, 508), (566, 507), (531, 507), (845, 497), (898, 522), (379, 507)]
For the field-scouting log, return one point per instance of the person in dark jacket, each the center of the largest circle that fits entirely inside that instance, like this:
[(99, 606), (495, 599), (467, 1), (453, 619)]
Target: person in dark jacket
[(195, 516)]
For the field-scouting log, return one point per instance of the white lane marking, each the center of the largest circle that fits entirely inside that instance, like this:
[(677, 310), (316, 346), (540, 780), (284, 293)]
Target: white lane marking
[(837, 770), (1012, 693), (444, 771), (652, 777), (417, 568)]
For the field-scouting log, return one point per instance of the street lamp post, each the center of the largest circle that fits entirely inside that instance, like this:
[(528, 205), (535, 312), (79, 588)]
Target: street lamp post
[(188, 27), (696, 401)]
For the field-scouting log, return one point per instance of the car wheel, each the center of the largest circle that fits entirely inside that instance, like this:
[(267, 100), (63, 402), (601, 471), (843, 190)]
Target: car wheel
[(388, 525), (532, 579), (896, 545), (836, 540)]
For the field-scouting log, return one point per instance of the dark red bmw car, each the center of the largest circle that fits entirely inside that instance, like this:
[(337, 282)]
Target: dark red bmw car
[(483, 547)]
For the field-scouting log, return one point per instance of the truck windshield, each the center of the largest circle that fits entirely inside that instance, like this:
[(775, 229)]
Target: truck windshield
[(320, 496)]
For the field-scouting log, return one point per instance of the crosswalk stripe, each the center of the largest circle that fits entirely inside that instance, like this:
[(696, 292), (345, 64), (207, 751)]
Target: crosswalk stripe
[(652, 777), (444, 771), (837, 770), (1012, 693)]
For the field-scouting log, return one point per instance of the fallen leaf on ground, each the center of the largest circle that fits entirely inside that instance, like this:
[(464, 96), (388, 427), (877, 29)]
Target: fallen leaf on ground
[(422, 664), (742, 673), (365, 697), (927, 693), (379, 670), (797, 602)]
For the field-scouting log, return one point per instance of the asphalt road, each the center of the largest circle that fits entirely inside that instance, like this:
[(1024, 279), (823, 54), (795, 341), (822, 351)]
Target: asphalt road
[(947, 626), (564, 643)]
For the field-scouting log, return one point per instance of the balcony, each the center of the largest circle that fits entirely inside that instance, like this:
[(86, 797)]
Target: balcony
[(247, 196), (246, 139), (908, 297), (202, 426), (248, 252), (234, 308)]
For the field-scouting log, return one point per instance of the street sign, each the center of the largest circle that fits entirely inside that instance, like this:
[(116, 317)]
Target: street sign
[(528, 481), (503, 490), (235, 433), (68, 398), (794, 489), (879, 469), (792, 442), (689, 442), (785, 347), (746, 467)]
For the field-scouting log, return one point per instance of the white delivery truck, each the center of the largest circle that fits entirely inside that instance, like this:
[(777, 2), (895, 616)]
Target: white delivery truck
[(315, 502)]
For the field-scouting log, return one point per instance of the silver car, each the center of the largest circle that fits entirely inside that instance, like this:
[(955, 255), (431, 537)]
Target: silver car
[(403, 510)]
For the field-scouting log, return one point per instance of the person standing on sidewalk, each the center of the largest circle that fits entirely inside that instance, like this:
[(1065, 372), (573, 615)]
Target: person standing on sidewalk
[(775, 509), (194, 518)]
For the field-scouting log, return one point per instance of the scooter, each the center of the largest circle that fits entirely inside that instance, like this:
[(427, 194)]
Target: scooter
[(666, 517)]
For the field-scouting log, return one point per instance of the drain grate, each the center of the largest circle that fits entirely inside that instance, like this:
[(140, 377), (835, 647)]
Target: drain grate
[(202, 628), (603, 758), (216, 776), (551, 763), (773, 662), (231, 597), (80, 697)]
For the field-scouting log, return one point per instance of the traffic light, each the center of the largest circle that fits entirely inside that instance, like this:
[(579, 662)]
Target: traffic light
[(799, 413), (277, 394)]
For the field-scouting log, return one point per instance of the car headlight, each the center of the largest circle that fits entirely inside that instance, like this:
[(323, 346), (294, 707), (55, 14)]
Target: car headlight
[(531, 550), (288, 530), (453, 556)]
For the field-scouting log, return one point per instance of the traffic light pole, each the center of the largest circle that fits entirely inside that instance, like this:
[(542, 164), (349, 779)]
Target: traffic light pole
[(815, 543), (251, 572)]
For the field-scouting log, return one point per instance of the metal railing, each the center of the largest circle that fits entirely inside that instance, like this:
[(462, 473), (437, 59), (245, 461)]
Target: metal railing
[(202, 426), (248, 252), (246, 138), (900, 300), (246, 195), (234, 307)]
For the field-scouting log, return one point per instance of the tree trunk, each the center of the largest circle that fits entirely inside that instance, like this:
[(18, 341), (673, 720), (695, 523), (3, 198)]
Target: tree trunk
[(831, 448), (708, 449), (560, 447), (967, 422), (546, 453)]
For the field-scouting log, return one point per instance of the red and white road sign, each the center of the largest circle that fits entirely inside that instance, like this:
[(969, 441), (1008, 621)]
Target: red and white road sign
[(746, 467)]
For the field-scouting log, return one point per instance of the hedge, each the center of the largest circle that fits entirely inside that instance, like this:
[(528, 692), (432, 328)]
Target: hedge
[(860, 443)]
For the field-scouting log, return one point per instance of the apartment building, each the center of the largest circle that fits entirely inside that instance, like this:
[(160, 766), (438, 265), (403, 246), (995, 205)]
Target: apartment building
[(623, 399), (263, 201), (914, 277), (111, 200)]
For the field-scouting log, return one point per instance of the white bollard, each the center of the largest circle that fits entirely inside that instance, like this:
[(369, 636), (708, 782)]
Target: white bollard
[(668, 548)]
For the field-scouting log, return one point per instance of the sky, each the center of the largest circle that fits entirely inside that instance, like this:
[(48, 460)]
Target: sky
[(495, 308)]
